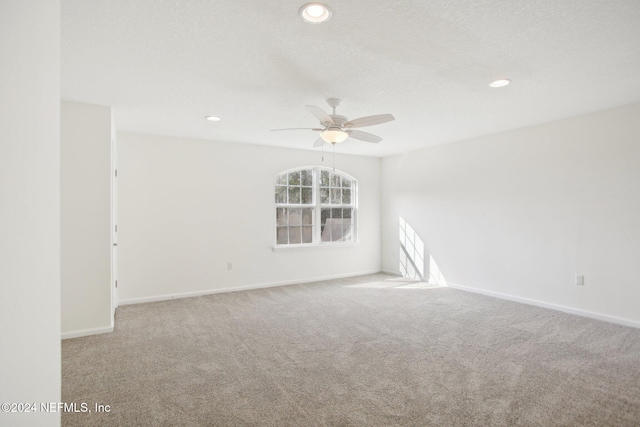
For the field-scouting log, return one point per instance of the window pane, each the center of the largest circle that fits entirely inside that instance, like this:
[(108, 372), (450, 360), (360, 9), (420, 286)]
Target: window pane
[(324, 215), (281, 179), (346, 213), (281, 194), (294, 178), (295, 236), (346, 183), (281, 216), (307, 195), (334, 229), (346, 196), (336, 196), (307, 178), (324, 195), (307, 216), (326, 234), (295, 217), (324, 178), (307, 234), (294, 195), (336, 213), (346, 233), (283, 235), (335, 180)]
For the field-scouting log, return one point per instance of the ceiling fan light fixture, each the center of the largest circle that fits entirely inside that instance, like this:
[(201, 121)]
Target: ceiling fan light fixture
[(315, 13), (334, 135), (500, 83)]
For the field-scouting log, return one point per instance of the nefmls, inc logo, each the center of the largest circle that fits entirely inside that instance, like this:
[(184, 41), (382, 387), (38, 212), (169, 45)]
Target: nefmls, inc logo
[(64, 407)]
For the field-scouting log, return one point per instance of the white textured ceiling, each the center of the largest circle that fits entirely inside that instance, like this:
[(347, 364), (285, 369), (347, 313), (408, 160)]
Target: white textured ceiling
[(163, 65)]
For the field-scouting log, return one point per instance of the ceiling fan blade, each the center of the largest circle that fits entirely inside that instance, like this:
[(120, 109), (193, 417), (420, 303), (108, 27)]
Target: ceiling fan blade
[(318, 142), (369, 121), (314, 129), (364, 136), (320, 115)]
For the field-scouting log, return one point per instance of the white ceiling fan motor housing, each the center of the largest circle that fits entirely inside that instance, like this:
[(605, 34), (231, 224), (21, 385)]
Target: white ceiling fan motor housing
[(338, 120)]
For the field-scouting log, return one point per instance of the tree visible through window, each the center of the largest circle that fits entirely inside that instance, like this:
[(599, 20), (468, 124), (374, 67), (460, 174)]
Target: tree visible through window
[(314, 205)]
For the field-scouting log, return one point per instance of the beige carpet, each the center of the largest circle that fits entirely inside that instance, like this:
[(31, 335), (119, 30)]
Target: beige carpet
[(367, 351)]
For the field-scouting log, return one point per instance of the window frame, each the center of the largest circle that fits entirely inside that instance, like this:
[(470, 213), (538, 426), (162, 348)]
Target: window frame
[(317, 207)]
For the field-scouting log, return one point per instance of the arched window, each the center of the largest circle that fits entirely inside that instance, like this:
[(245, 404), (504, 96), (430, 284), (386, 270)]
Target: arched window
[(315, 205)]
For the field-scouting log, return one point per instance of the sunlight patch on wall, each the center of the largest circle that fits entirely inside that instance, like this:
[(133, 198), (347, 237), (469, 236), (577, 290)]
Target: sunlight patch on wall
[(411, 257), (411, 252), (435, 275)]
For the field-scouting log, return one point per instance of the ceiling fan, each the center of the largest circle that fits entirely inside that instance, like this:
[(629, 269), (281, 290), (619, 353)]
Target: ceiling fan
[(336, 128)]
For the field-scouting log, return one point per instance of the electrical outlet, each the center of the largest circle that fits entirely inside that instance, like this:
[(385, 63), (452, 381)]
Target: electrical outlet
[(579, 280), (229, 266)]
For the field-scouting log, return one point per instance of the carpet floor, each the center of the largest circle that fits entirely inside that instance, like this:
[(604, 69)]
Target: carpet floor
[(367, 351)]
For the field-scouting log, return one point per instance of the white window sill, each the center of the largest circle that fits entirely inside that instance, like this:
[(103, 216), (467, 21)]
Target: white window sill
[(314, 246)]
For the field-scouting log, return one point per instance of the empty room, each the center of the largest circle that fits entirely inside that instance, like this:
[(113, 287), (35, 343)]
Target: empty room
[(388, 213)]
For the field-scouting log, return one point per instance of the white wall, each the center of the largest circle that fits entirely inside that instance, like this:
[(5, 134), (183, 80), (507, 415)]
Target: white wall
[(85, 162), (187, 207), (519, 213), (30, 207)]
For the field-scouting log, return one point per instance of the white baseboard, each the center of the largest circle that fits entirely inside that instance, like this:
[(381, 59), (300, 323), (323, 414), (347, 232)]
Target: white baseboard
[(392, 272), (558, 307), (86, 332), (166, 297)]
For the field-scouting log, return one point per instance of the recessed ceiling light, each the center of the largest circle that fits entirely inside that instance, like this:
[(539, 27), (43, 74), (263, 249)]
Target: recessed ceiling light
[(315, 13), (500, 83), (213, 118)]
